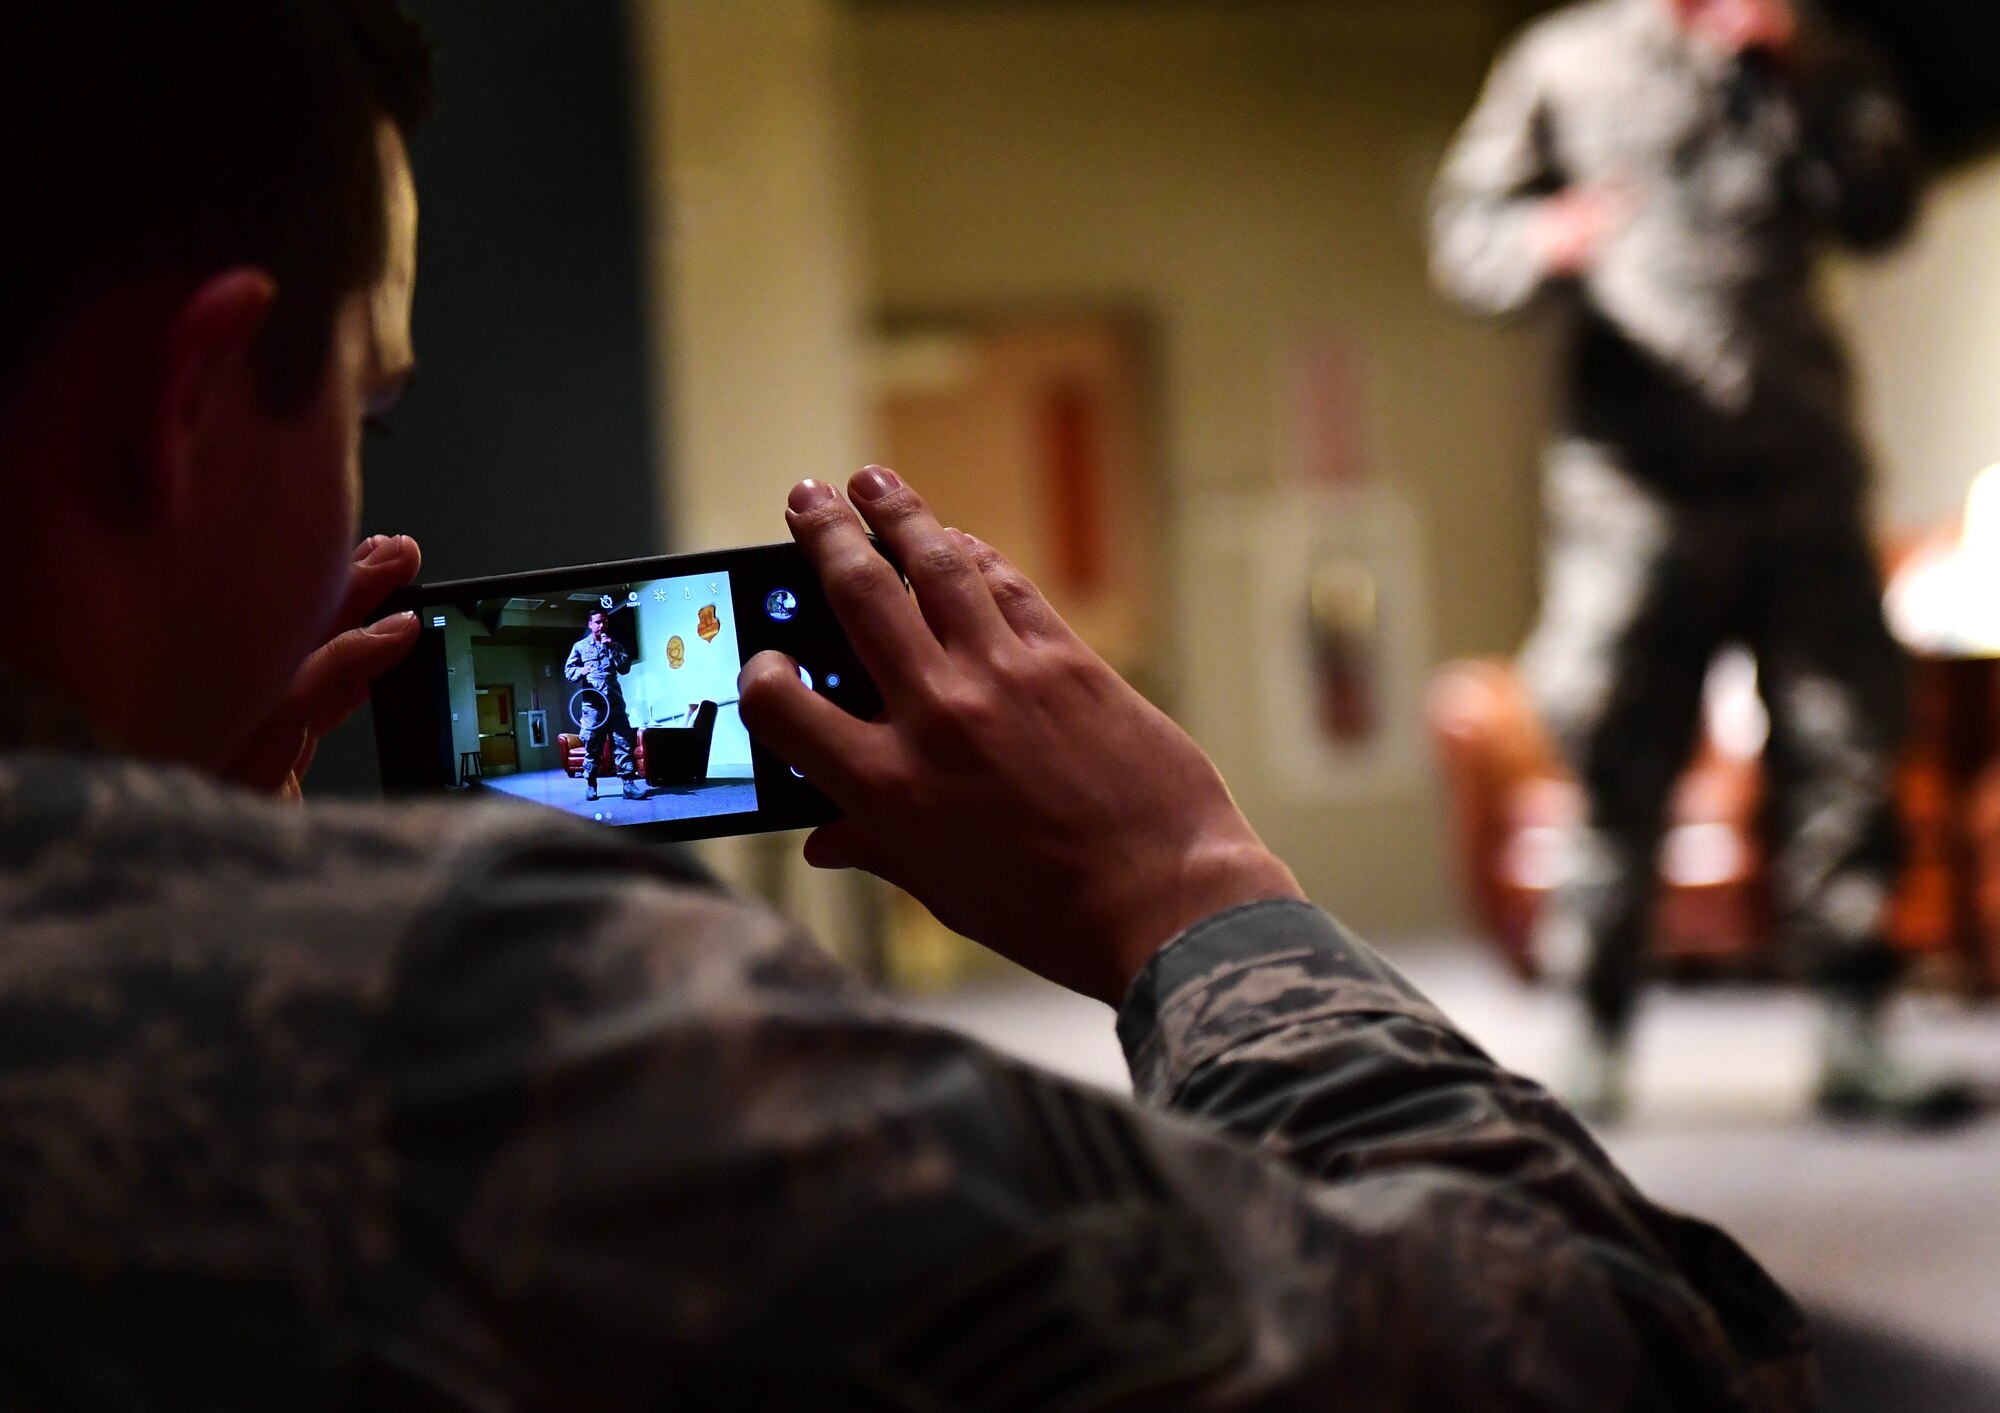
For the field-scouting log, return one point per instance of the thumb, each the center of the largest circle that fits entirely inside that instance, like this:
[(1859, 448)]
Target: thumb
[(329, 688), (270, 758), (846, 844), (804, 729), (334, 681)]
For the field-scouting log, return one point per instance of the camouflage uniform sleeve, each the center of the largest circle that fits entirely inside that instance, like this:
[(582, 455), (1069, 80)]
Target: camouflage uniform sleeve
[(1862, 173), (575, 669), (653, 1149), (1495, 177), (1276, 1026)]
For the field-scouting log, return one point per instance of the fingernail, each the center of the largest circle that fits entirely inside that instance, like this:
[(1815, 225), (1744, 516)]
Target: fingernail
[(810, 495), (379, 550), (963, 540), (395, 625), (875, 482)]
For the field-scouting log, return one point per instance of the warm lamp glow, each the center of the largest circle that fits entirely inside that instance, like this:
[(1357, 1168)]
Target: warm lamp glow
[(1982, 519), (1979, 563), (1946, 600)]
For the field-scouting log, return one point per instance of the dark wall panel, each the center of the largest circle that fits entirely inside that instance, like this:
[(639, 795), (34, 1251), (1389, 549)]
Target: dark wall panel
[(528, 439)]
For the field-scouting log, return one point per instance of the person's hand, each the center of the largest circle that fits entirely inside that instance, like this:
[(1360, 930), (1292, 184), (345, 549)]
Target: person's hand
[(1015, 784), (332, 684), (1572, 227)]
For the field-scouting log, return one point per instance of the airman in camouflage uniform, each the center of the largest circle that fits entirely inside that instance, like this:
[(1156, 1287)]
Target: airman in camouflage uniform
[(1707, 485), (471, 1108), (598, 660)]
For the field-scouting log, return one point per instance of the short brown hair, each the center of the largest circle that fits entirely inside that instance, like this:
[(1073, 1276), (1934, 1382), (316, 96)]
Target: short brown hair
[(147, 139)]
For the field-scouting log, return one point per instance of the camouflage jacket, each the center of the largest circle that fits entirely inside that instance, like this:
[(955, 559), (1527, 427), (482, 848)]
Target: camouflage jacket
[(1736, 173), (599, 665), (441, 1107)]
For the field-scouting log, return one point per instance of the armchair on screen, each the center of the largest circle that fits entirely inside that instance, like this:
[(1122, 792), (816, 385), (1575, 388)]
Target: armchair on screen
[(678, 755), (571, 746)]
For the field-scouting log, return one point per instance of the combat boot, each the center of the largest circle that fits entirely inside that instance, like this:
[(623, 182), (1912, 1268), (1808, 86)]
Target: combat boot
[(1595, 1087), (633, 789), (1861, 1079), (591, 793)]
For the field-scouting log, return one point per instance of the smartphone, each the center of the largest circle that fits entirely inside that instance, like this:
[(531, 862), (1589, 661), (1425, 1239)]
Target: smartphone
[(609, 691)]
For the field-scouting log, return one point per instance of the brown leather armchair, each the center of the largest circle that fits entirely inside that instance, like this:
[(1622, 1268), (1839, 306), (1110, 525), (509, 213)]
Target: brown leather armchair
[(571, 746), (1511, 799), (1512, 804), (1985, 847)]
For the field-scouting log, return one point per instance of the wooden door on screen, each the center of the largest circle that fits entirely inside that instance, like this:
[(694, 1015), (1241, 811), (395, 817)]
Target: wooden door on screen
[(499, 746)]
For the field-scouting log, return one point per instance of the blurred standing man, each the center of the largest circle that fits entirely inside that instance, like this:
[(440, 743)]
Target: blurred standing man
[(1664, 172), (598, 660)]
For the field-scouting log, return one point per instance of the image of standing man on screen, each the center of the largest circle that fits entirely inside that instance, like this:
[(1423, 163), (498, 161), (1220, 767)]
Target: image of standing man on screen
[(598, 660)]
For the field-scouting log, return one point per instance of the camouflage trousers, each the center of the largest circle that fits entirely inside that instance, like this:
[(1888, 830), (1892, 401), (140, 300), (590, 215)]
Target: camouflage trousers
[(625, 740), (1643, 589)]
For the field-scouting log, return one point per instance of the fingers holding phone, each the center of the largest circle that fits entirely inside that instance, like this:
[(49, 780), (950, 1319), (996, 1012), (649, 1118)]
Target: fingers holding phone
[(333, 682), (1015, 784)]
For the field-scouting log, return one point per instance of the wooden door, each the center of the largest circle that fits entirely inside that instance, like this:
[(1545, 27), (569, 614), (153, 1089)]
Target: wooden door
[(499, 749), (1032, 432)]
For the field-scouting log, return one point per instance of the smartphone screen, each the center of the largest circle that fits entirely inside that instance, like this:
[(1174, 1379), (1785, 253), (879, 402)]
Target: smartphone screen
[(609, 691)]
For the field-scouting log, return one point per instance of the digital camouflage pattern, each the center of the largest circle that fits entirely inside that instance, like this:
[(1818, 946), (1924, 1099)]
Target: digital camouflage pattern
[(469, 1108), (1707, 485), (599, 665)]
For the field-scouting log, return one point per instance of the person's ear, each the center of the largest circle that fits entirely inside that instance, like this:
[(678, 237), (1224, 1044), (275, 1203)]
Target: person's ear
[(209, 384)]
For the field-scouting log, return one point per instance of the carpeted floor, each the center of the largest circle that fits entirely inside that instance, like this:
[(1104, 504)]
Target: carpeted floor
[(1864, 1369), (1891, 1239), (661, 803)]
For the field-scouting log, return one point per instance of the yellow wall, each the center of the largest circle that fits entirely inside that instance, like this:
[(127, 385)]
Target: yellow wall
[(758, 306), (1927, 336), (1242, 174), (754, 257)]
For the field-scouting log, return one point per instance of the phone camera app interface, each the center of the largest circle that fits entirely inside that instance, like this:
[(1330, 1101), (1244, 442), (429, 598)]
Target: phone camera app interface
[(616, 703)]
